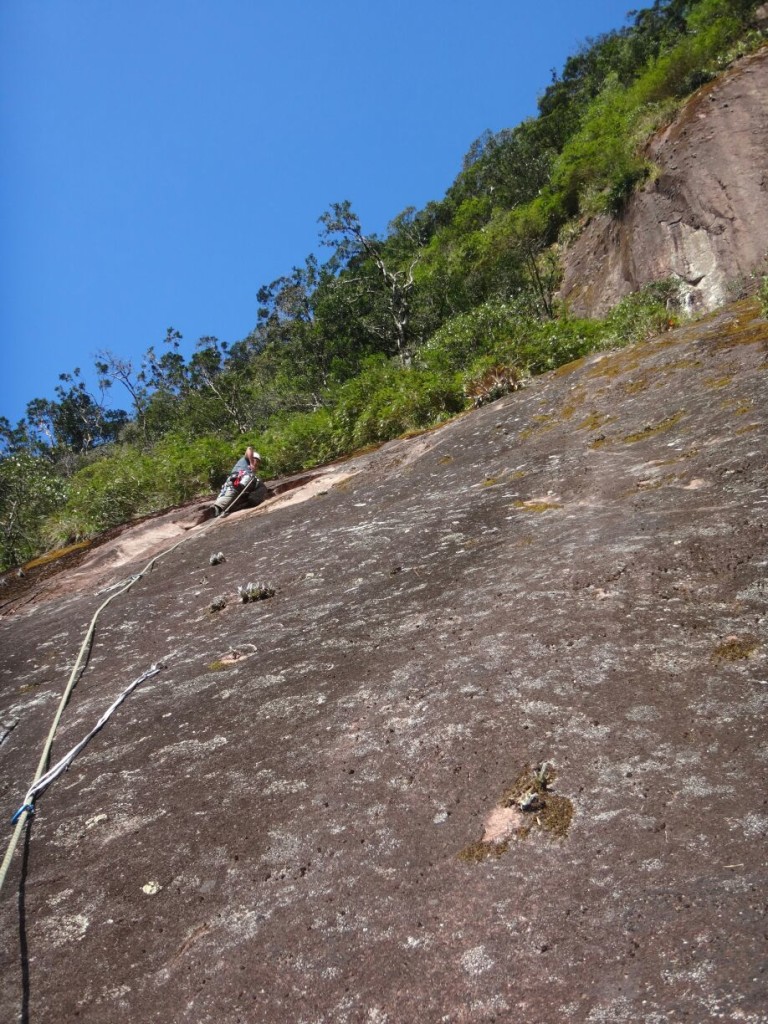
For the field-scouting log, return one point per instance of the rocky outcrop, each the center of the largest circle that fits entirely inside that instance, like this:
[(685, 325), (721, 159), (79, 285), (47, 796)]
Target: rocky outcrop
[(489, 746), (703, 220)]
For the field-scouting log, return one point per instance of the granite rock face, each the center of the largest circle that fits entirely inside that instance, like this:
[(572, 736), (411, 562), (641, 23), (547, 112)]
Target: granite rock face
[(703, 220), (493, 750)]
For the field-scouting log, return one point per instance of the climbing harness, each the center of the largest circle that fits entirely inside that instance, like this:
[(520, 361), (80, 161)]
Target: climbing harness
[(235, 488)]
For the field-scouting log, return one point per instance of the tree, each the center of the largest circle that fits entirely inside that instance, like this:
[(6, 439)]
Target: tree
[(206, 370), (111, 368), (76, 421), (303, 335), (29, 489), (343, 232)]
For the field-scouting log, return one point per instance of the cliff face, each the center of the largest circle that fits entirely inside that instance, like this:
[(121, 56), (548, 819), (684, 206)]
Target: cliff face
[(703, 220), (322, 809)]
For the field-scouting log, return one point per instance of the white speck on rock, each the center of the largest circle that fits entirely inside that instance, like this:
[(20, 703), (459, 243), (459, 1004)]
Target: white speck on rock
[(476, 961)]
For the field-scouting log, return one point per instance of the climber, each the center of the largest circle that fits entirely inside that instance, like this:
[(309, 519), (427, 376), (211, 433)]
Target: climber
[(243, 486), (251, 460)]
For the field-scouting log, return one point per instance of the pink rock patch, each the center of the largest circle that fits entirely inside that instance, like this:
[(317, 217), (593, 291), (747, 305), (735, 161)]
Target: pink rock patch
[(501, 823)]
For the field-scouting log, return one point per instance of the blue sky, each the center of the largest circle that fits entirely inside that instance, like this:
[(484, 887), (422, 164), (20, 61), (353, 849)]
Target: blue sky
[(162, 159)]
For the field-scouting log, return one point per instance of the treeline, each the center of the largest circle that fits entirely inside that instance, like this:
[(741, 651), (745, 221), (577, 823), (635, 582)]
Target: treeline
[(452, 307)]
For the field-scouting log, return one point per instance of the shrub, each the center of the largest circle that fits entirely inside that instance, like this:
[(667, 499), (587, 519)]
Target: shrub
[(486, 383), (649, 311), (762, 294), (183, 468), (104, 494), (479, 332), (30, 488), (387, 400), (299, 441)]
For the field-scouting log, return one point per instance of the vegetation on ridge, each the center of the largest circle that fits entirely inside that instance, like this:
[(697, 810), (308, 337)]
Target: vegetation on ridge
[(452, 307)]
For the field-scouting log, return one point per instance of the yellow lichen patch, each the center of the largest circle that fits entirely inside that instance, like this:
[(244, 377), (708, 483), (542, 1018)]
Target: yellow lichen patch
[(666, 342), (537, 506), (556, 815), (616, 364), (446, 460), (52, 556), (738, 406), (681, 364), (736, 648), (502, 478), (545, 423), (652, 429), (633, 386), (478, 851), (563, 371), (594, 421), (748, 429), (673, 460), (574, 400), (743, 330), (226, 661), (715, 383)]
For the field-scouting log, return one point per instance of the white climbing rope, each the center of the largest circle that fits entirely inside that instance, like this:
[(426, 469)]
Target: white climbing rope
[(27, 809), (61, 766)]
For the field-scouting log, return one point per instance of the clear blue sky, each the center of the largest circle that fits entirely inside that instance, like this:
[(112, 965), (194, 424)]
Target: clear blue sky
[(162, 159)]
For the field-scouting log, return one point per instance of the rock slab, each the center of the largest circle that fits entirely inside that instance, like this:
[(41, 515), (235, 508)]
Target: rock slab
[(319, 810)]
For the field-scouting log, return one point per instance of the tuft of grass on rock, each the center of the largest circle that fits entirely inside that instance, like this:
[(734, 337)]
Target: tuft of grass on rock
[(736, 648)]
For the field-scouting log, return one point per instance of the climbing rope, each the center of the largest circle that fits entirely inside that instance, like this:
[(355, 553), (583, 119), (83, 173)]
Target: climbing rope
[(61, 766), (27, 808), (243, 491)]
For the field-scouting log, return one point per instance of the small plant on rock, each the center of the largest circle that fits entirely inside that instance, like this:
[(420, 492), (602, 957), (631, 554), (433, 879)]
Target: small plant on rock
[(493, 383), (255, 592)]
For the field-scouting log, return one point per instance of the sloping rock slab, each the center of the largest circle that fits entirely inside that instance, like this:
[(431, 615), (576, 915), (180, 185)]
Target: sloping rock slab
[(288, 822)]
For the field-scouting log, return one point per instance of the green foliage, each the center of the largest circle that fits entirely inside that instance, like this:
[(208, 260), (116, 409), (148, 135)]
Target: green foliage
[(649, 311), (387, 400), (184, 468), (600, 160), (478, 332), (509, 334), (128, 482), (106, 493), (299, 441), (762, 294), (29, 488), (601, 163)]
